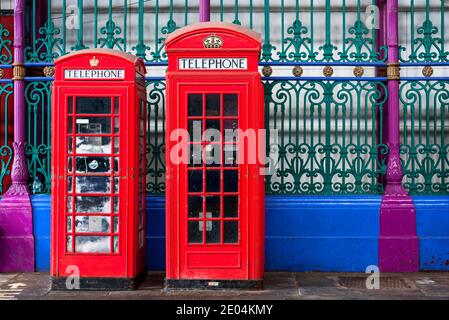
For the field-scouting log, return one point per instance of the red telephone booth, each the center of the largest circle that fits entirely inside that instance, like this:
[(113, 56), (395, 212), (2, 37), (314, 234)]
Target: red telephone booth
[(215, 195), (98, 170)]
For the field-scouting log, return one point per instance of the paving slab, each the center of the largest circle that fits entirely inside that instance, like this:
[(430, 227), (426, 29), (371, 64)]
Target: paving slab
[(277, 286)]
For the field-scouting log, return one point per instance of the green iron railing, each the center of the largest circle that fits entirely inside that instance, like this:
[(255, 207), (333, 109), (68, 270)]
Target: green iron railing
[(330, 130), (425, 102)]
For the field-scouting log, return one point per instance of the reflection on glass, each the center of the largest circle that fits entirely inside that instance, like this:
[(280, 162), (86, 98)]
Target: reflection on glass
[(116, 184), (69, 224), (99, 244), (92, 224), (86, 204), (69, 204), (88, 145), (231, 231), (116, 204), (195, 104), (93, 165), (70, 125), (213, 235), (68, 246), (195, 235), (115, 224), (230, 102), (89, 105), (69, 184), (70, 145), (115, 244), (92, 184), (69, 165)]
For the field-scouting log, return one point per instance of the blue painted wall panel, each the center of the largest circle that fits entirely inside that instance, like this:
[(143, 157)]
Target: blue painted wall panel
[(41, 228), (432, 223), (317, 233), (303, 233)]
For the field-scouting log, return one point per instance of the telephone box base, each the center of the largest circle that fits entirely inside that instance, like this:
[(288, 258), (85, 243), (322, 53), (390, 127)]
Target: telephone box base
[(99, 284), (184, 284)]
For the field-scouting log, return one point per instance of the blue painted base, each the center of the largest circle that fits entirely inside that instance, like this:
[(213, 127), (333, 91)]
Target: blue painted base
[(303, 233)]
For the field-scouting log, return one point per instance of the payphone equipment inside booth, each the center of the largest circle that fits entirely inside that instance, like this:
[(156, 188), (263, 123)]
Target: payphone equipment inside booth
[(215, 194), (98, 170)]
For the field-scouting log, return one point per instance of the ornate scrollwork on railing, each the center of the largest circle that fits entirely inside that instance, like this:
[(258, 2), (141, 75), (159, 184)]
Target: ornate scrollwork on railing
[(6, 56), (425, 142), (156, 137), (328, 141), (38, 149)]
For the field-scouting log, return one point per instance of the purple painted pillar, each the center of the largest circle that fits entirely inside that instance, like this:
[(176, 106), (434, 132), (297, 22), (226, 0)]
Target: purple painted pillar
[(398, 243), (16, 224), (204, 10)]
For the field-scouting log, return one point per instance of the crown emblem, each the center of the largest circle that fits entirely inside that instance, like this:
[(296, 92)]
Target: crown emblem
[(213, 41), (94, 62)]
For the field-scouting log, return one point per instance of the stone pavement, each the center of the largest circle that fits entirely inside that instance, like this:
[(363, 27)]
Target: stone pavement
[(278, 286)]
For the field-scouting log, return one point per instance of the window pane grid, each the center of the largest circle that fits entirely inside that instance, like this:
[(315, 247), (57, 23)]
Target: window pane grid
[(209, 181), (92, 177)]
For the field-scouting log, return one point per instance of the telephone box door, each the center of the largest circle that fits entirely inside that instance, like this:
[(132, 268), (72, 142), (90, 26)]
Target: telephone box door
[(93, 213), (214, 228)]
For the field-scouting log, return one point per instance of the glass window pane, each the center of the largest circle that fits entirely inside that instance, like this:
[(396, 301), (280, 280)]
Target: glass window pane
[(69, 244), (212, 154), (115, 224), (85, 204), (195, 104), (93, 165), (195, 181), (195, 130), (70, 125), (92, 224), (88, 145), (230, 206), (116, 244), (212, 181), (230, 102), (93, 125), (213, 232), (69, 224), (195, 206), (212, 104), (100, 244), (70, 145), (70, 105), (116, 105), (69, 204), (93, 105), (92, 184), (230, 180), (230, 155), (213, 124), (116, 185), (213, 206), (195, 233), (196, 155), (231, 231), (69, 184)]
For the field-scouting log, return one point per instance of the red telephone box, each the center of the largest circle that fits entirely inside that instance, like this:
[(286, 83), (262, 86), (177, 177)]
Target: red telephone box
[(98, 170), (214, 211)]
